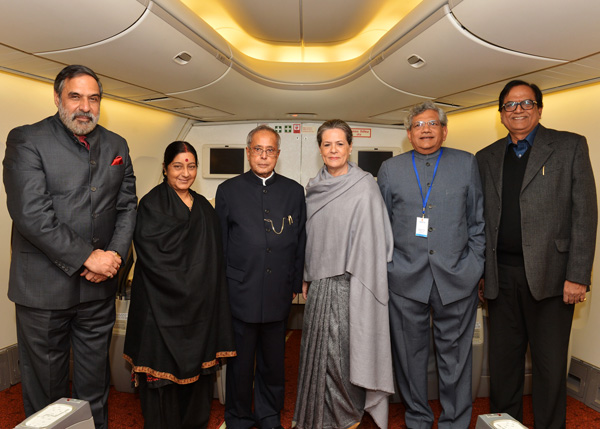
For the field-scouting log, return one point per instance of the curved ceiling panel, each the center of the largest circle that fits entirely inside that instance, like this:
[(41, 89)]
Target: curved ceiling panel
[(282, 27), (448, 59), (299, 75), (307, 21), (360, 100), (65, 24), (145, 54), (565, 30), (335, 21)]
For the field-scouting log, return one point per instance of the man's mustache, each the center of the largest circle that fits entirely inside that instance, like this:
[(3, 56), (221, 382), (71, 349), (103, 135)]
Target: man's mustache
[(82, 113)]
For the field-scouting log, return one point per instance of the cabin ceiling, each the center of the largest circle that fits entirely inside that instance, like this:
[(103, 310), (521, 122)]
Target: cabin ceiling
[(359, 60)]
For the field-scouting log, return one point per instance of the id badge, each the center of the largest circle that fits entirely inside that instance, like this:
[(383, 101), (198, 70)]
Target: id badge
[(422, 226)]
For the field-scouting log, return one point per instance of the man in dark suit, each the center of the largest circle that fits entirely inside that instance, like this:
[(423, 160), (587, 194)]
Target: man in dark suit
[(262, 217), (541, 217), (71, 195)]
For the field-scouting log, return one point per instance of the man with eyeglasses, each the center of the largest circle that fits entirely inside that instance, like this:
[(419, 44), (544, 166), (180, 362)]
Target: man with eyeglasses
[(262, 217), (435, 203), (541, 218)]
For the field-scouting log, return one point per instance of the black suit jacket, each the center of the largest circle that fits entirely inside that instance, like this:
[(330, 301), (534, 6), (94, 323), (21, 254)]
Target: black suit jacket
[(65, 201), (559, 212), (265, 258)]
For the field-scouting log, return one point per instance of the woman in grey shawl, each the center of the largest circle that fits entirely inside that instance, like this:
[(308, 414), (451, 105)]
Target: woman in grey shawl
[(345, 356)]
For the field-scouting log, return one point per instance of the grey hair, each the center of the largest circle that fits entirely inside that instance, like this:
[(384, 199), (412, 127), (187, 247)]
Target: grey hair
[(263, 127), (423, 107), (69, 72)]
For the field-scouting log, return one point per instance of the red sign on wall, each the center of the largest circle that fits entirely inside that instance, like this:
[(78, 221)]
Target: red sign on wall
[(361, 132)]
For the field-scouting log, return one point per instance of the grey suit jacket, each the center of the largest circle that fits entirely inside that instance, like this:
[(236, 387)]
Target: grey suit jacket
[(65, 201), (452, 253), (559, 212)]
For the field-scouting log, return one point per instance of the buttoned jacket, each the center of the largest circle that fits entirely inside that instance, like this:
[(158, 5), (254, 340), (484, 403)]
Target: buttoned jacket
[(264, 240), (452, 254), (559, 212), (65, 201)]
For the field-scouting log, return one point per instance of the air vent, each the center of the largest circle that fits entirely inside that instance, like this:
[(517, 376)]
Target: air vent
[(154, 100), (415, 61), (182, 58), (441, 103)]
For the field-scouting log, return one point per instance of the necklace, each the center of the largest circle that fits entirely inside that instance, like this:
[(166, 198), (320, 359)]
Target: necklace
[(191, 201)]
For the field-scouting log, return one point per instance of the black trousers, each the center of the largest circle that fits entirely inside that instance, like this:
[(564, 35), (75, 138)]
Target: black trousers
[(265, 344), (45, 339), (177, 406), (516, 320)]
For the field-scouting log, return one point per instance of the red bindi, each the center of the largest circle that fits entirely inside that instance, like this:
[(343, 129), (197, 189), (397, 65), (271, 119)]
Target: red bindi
[(186, 160)]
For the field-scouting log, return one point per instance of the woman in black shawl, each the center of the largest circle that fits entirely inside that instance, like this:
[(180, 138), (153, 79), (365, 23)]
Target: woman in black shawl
[(179, 322)]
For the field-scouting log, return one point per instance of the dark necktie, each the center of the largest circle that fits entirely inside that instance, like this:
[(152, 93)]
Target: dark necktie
[(84, 141), (520, 148)]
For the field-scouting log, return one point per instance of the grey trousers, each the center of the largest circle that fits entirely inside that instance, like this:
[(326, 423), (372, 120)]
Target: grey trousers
[(453, 326), (45, 338)]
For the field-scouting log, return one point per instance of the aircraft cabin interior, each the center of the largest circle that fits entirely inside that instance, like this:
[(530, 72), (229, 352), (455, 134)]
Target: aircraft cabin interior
[(209, 71)]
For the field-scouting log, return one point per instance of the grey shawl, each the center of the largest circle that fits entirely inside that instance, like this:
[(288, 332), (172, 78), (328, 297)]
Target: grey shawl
[(348, 230)]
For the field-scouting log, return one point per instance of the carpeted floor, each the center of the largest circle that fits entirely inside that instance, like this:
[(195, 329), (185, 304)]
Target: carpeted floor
[(124, 408)]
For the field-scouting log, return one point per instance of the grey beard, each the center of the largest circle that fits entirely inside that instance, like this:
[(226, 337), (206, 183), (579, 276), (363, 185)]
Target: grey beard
[(72, 124)]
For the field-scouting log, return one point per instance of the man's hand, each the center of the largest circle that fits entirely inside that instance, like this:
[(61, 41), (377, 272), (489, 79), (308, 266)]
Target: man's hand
[(104, 263), (481, 289), (305, 286), (92, 277), (574, 293)]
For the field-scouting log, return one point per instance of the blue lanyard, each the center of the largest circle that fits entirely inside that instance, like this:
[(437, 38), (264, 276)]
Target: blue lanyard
[(437, 163)]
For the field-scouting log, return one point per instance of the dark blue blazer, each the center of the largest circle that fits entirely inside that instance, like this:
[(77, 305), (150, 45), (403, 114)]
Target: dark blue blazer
[(264, 241)]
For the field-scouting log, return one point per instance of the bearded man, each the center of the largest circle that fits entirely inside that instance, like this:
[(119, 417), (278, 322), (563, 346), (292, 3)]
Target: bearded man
[(71, 195)]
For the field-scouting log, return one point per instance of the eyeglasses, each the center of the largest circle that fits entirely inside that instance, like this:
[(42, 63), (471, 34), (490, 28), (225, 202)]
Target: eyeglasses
[(258, 151), (511, 106), (421, 124)]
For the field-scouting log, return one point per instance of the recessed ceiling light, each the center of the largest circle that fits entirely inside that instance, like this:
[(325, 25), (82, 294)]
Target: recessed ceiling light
[(301, 115), (218, 14)]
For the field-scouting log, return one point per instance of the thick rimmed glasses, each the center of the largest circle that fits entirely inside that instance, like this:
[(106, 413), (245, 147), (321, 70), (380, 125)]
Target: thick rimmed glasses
[(511, 106)]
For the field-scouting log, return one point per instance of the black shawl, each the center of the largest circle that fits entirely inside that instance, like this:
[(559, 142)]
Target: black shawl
[(179, 320)]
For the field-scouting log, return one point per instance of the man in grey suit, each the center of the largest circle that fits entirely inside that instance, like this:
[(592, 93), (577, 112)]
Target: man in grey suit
[(71, 195), (541, 217), (435, 202)]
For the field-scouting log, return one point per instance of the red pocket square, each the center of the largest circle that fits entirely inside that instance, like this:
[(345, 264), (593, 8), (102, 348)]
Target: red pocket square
[(117, 161)]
